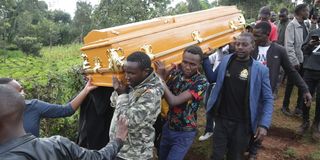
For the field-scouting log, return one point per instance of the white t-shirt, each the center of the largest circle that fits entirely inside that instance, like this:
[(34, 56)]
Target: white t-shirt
[(262, 56), (216, 57)]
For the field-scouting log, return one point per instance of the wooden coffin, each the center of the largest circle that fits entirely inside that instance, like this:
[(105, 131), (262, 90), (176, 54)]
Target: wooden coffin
[(161, 38)]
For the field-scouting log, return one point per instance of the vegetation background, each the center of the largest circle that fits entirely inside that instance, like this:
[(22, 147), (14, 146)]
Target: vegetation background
[(40, 47)]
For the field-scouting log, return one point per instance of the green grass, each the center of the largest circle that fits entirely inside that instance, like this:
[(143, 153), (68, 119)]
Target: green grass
[(290, 153), (55, 60)]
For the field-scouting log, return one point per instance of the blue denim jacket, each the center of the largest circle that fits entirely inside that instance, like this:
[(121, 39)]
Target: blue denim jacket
[(260, 94)]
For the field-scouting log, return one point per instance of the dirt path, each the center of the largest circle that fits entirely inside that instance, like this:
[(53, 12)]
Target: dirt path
[(280, 144)]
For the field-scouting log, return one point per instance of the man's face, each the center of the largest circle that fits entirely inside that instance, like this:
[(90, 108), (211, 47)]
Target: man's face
[(264, 17), (273, 17), (304, 13), (244, 47), (283, 17), (190, 64), (16, 85), (134, 74), (260, 37)]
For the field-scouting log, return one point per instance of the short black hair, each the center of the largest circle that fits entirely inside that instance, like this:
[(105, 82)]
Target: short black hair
[(194, 49), (5, 80), (11, 102), (140, 57), (247, 34), (299, 8), (264, 26), (265, 10), (284, 11)]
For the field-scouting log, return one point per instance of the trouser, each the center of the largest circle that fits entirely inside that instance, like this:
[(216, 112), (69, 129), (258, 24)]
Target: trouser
[(312, 79), (174, 145), (230, 137), (288, 91), (254, 146), (209, 117), (158, 129)]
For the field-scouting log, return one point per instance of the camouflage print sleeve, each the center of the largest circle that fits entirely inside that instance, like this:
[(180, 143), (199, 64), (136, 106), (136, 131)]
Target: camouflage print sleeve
[(146, 108), (113, 99)]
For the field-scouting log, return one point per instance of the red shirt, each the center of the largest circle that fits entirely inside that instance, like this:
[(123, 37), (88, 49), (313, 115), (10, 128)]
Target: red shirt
[(273, 36)]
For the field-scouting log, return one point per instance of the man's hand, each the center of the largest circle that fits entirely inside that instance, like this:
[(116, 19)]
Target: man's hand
[(160, 69), (118, 86), (122, 128), (89, 86), (260, 134), (313, 43), (307, 99), (297, 67)]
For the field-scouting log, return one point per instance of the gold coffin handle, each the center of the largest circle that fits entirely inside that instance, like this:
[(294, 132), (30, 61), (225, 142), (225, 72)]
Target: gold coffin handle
[(196, 36), (147, 48), (115, 60)]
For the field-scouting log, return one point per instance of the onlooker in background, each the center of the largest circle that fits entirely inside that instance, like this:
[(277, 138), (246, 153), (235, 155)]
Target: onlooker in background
[(241, 100), (16, 144), (314, 15), (282, 25), (273, 18), (264, 15), (311, 76), (184, 93), (139, 101), (295, 35), (273, 56), (215, 60), (37, 109)]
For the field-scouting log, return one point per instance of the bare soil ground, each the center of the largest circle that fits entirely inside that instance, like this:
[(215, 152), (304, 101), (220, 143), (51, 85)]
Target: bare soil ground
[(282, 143)]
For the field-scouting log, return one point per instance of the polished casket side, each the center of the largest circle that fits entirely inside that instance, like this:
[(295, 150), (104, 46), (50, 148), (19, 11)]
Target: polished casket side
[(162, 38)]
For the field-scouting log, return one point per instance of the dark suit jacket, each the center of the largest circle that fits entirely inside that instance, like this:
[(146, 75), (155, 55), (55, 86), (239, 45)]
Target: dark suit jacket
[(277, 56)]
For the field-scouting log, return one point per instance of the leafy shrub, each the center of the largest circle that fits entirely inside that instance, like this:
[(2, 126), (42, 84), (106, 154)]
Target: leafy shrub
[(29, 45)]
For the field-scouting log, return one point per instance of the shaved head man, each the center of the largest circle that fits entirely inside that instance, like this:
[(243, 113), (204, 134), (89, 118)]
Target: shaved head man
[(11, 111), (16, 144)]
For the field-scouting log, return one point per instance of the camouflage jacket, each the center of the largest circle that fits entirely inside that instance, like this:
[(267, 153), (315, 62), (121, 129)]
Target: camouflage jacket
[(141, 106)]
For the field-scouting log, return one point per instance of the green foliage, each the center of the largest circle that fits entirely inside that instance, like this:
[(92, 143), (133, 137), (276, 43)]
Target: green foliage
[(82, 21), (53, 77), (290, 153), (314, 156), (113, 13), (251, 8), (29, 45)]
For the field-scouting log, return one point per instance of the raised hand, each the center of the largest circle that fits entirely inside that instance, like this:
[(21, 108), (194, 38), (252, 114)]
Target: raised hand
[(89, 86), (122, 128), (118, 86)]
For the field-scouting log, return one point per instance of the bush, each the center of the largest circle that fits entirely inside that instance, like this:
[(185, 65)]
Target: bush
[(29, 45)]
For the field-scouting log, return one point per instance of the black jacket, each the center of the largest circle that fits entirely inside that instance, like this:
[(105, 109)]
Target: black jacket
[(54, 148), (276, 57), (311, 61)]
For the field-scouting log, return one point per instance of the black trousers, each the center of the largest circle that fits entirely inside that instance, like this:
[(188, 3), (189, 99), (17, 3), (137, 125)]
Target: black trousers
[(312, 78), (288, 91), (231, 138)]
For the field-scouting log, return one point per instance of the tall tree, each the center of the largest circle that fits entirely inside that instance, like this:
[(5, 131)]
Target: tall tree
[(112, 13), (82, 21)]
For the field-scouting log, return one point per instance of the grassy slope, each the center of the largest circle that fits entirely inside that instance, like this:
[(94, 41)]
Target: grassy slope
[(53, 60)]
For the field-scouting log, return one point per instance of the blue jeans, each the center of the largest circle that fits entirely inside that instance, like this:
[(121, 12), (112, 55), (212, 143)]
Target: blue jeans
[(174, 145)]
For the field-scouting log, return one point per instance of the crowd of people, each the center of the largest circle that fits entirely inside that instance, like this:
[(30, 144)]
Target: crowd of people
[(237, 87)]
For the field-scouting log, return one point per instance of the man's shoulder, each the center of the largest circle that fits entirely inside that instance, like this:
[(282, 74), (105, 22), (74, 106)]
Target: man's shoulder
[(277, 47)]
